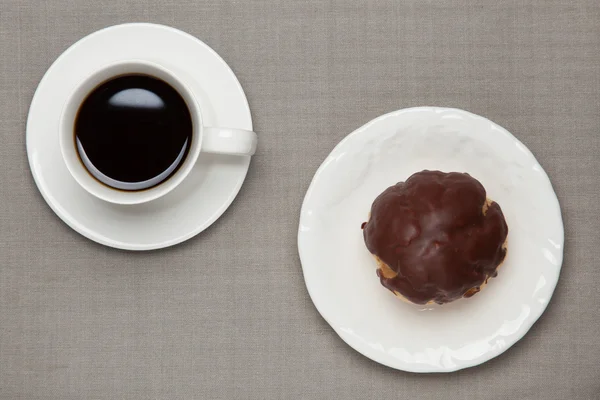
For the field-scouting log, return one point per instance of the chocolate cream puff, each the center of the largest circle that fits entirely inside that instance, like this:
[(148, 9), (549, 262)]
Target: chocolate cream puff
[(436, 237)]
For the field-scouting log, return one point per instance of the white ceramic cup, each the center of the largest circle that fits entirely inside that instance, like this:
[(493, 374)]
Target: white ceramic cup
[(204, 139)]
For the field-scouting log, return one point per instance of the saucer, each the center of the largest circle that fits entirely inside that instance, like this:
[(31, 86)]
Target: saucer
[(200, 199), (340, 272)]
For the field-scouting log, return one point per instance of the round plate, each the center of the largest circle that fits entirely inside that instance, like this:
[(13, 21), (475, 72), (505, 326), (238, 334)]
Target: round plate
[(203, 196), (340, 272)]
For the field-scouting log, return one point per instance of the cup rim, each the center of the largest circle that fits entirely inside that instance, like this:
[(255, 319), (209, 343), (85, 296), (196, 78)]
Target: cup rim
[(68, 146)]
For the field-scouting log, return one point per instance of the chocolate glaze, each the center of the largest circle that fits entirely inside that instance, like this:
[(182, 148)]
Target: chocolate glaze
[(433, 234)]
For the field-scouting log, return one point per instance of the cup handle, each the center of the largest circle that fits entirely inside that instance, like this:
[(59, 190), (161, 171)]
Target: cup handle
[(228, 141)]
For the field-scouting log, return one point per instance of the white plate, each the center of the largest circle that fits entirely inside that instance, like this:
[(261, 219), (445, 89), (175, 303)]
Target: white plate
[(206, 192), (340, 272)]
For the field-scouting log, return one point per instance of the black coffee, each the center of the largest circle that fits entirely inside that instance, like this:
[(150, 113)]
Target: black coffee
[(133, 132)]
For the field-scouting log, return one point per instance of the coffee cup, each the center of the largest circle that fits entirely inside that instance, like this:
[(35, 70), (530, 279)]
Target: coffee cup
[(139, 103)]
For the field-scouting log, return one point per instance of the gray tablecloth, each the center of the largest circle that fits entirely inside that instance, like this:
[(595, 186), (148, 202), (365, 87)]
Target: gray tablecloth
[(226, 315)]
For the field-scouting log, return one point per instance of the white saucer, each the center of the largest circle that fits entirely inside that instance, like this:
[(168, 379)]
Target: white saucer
[(340, 272), (206, 192)]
